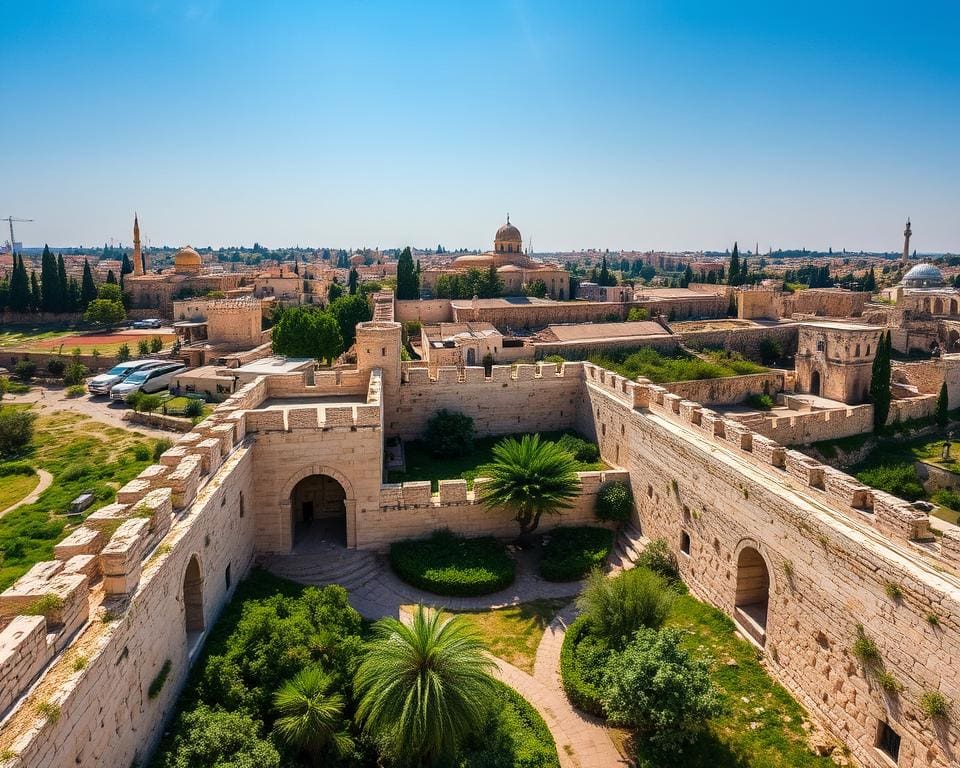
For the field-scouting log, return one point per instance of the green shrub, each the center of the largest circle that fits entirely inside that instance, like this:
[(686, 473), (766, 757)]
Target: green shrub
[(865, 650), (25, 370), (16, 430), (16, 468), (899, 479), (446, 564), (56, 367), (659, 558), (572, 552), (760, 402), (614, 503), (580, 449), (771, 350), (660, 689), (142, 452), (75, 374), (618, 607), (148, 403), (449, 434), (123, 353), (13, 387), (77, 390), (934, 704), (156, 685), (143, 348), (637, 314), (47, 606), (156, 344), (160, 447), (948, 498), (582, 658), (193, 408)]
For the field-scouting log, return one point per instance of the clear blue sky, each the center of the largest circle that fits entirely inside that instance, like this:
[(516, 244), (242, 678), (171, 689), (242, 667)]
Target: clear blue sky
[(666, 124)]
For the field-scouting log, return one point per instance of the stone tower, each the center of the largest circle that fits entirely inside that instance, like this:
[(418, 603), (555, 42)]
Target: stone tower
[(378, 346), (137, 255), (906, 243)]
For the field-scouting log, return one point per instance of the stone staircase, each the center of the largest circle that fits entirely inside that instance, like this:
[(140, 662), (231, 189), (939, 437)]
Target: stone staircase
[(627, 548)]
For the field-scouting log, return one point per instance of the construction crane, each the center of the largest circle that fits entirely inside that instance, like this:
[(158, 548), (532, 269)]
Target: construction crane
[(10, 220)]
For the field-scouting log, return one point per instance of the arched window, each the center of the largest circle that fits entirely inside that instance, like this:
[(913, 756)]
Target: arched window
[(193, 597)]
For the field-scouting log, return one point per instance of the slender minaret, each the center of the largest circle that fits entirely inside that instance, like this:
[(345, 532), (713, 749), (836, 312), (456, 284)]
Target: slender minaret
[(137, 255), (906, 243)]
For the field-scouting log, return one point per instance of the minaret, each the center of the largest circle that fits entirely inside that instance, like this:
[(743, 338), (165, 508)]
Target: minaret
[(906, 243), (137, 255)]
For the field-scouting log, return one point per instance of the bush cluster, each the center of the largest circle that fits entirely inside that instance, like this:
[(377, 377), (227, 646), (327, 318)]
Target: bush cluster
[(451, 565), (582, 656), (16, 431), (898, 479), (659, 558), (449, 434), (570, 553), (659, 368), (580, 449), (614, 503), (760, 402)]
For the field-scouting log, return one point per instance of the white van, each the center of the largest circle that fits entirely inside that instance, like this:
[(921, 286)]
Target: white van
[(148, 381), (102, 384)]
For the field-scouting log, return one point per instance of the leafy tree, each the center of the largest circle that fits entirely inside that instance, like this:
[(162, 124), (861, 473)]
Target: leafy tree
[(16, 431), (110, 291), (637, 314), (532, 478), (771, 350), (449, 434), (334, 292), (75, 373), (687, 277), (104, 312), (408, 282), (424, 687), (870, 281), (536, 288), (352, 280), (143, 348), (25, 369), (123, 353), (307, 332), (220, 739), (614, 503), (880, 383), (656, 686), (348, 311), (311, 716), (618, 607), (942, 412), (126, 267), (56, 367)]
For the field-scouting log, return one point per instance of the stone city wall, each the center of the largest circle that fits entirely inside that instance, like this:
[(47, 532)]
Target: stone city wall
[(524, 398), (830, 547), (135, 553), (824, 302), (409, 510), (746, 341), (578, 350), (340, 382), (805, 427), (537, 315), (730, 390), (423, 311)]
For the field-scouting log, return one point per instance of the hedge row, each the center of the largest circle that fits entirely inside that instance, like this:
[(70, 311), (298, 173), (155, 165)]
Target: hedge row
[(570, 553), (451, 565), (582, 694)]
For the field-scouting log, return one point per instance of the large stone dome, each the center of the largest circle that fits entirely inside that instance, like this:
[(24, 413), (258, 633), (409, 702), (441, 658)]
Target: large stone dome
[(923, 276), (187, 260), (509, 233)]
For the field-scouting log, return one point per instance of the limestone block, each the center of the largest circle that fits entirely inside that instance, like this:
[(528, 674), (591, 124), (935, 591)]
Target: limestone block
[(338, 416), (266, 421), (87, 565), (712, 423), (184, 481), (590, 482), (478, 485), (615, 476), (690, 412), (768, 451), (70, 588), (641, 394), (24, 651), (156, 507), (224, 432), (303, 418), (239, 421), (572, 370), (368, 415), (133, 491), (501, 373), (120, 559), (209, 452), (453, 491), (172, 456), (82, 541), (391, 495), (189, 438), (525, 372), (448, 374), (950, 546), (106, 518), (417, 493), (738, 435), (474, 375), (417, 375), (898, 519), (805, 469), (154, 473)]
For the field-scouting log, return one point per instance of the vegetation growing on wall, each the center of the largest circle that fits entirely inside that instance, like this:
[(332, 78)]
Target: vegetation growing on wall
[(660, 368)]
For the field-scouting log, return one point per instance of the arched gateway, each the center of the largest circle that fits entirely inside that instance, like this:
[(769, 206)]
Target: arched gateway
[(753, 594), (318, 509)]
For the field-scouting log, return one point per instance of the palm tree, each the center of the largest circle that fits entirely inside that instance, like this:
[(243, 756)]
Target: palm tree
[(532, 477), (423, 686), (311, 716)]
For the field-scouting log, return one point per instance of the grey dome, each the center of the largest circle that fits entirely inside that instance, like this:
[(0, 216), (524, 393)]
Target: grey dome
[(923, 276)]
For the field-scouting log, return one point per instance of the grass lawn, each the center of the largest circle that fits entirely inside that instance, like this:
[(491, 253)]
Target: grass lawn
[(423, 465), (15, 487), (660, 368), (762, 725), (24, 337), (81, 454), (513, 633)]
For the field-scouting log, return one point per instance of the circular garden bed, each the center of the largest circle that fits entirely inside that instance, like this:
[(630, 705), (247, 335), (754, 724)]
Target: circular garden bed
[(451, 565)]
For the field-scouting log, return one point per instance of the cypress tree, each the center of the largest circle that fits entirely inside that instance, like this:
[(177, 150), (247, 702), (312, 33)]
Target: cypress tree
[(19, 298), (687, 277), (36, 298), (352, 281), (408, 285), (63, 300), (88, 289), (880, 383), (49, 282), (126, 268), (111, 278), (870, 282), (943, 406), (734, 271), (73, 295), (604, 278)]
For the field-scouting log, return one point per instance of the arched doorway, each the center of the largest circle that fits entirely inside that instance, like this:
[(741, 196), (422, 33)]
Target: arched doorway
[(815, 383), (193, 601), (938, 307), (318, 508), (471, 356), (753, 594)]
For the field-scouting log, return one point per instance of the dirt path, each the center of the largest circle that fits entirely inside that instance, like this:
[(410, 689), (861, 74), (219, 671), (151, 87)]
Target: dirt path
[(45, 480)]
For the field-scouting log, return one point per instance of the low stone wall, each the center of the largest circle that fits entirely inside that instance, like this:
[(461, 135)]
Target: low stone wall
[(410, 511), (159, 420), (746, 341), (425, 312), (804, 427), (730, 390), (576, 350)]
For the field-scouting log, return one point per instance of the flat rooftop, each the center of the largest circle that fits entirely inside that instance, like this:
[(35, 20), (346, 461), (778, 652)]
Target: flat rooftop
[(276, 365), (598, 331), (828, 326), (508, 301)]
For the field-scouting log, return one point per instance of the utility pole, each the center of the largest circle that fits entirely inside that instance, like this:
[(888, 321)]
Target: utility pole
[(10, 220)]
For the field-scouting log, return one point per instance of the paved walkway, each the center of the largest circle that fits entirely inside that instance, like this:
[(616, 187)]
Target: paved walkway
[(582, 742), (45, 479)]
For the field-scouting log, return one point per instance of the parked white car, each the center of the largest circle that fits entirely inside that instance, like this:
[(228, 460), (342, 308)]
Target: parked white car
[(150, 322), (148, 381), (102, 384)]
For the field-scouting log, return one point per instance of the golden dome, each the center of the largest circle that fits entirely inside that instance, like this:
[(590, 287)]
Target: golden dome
[(508, 233), (187, 260)]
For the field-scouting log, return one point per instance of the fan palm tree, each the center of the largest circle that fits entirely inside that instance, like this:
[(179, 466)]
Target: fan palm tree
[(531, 477), (310, 716), (423, 686)]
